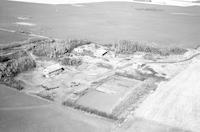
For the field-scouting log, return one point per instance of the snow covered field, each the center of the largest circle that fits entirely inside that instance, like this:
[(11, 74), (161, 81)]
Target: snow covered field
[(160, 2), (177, 101), (67, 1)]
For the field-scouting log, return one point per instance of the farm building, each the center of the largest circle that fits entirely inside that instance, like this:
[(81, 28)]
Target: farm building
[(53, 70)]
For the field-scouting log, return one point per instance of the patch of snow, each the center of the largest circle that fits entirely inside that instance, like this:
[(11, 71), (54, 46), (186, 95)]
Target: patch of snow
[(77, 5), (182, 13), (25, 23), (22, 18), (7, 30)]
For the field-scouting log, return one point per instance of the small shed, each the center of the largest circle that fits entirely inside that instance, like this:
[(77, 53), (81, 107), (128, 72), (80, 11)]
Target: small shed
[(100, 52)]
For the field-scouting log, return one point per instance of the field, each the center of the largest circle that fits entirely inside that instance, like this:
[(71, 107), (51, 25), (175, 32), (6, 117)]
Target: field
[(7, 37), (175, 101), (97, 22)]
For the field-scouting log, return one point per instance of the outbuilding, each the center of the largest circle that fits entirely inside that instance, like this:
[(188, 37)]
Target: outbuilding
[(53, 70)]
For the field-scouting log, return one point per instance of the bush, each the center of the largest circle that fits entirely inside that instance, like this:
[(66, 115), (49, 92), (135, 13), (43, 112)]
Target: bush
[(130, 47), (71, 61), (14, 55), (16, 63), (13, 67), (56, 49)]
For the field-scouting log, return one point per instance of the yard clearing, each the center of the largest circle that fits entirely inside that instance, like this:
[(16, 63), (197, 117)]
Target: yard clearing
[(112, 90)]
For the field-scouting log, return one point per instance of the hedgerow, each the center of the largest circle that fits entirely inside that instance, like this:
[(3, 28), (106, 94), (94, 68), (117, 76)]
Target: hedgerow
[(130, 47), (90, 110)]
